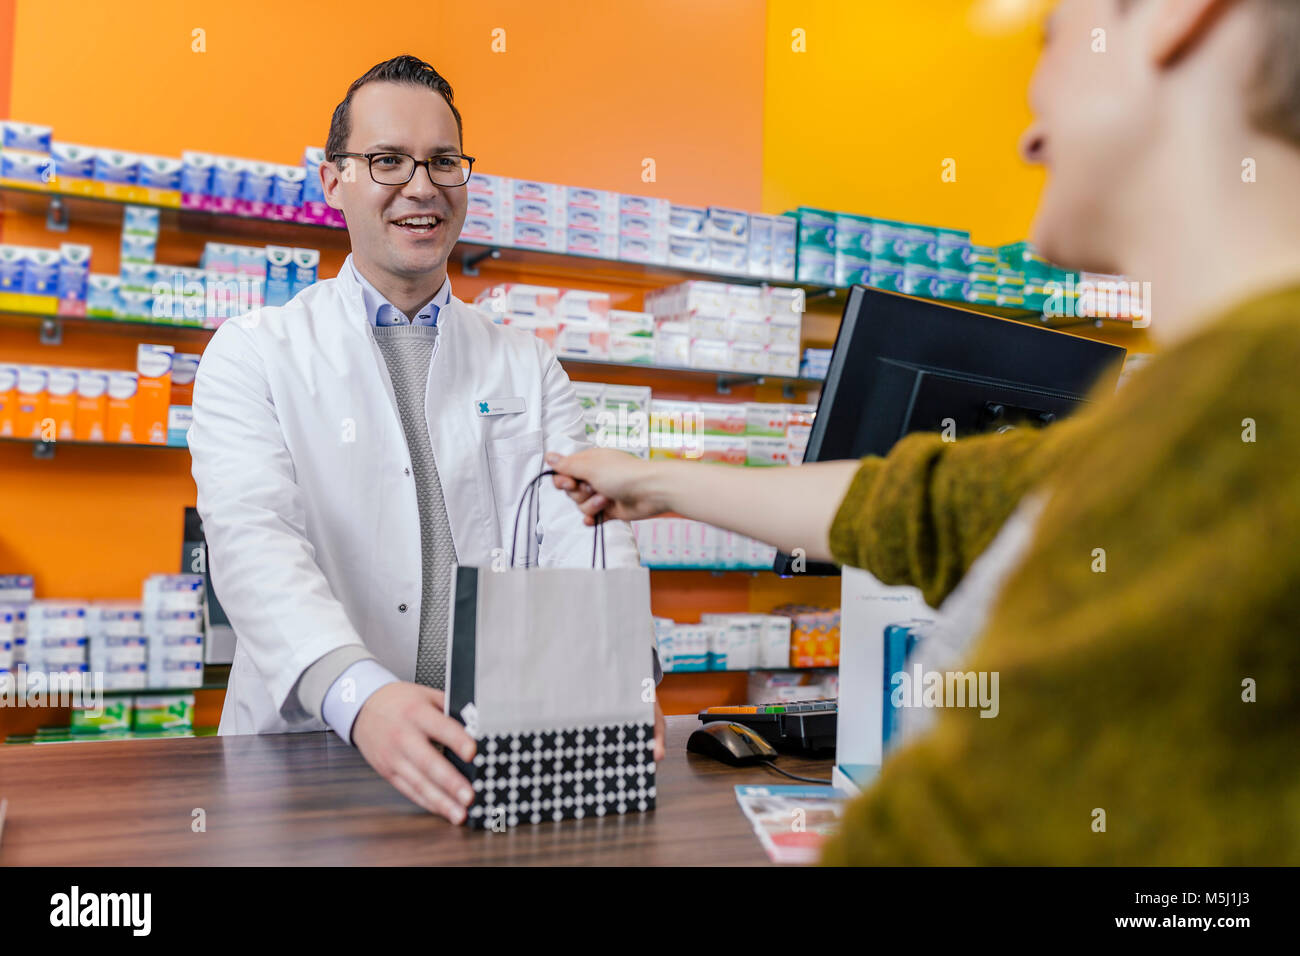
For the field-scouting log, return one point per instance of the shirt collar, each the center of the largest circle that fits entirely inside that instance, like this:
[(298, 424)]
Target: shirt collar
[(379, 311)]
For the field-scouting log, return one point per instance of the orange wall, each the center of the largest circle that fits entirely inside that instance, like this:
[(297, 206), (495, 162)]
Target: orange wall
[(676, 81), (6, 52)]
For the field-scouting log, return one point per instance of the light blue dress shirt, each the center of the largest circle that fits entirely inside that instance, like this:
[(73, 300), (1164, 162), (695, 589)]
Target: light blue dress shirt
[(351, 689)]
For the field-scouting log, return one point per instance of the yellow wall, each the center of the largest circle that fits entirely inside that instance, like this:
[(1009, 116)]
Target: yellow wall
[(884, 93)]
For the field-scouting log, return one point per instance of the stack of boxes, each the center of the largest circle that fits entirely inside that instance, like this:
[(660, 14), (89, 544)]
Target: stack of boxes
[(57, 633), (30, 155), (7, 627), (577, 323), (129, 645), (229, 281), (136, 270), (252, 188), (173, 627), (722, 642), (668, 543), (731, 241), (713, 325), (842, 249), (616, 416), (816, 363), (52, 403), (313, 209), (25, 153), (16, 594), (156, 642), (118, 646), (814, 635), (733, 433), (534, 215), (644, 229), (46, 281), (745, 641)]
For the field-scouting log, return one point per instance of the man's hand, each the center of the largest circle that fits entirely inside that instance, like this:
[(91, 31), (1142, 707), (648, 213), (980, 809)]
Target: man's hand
[(396, 730), (660, 748), (603, 479)]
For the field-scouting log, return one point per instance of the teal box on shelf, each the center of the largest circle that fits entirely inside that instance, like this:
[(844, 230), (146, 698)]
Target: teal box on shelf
[(853, 235), (816, 231), (1024, 258), (920, 280), (952, 249), (919, 245), (887, 275), (951, 284), (851, 269), (889, 241)]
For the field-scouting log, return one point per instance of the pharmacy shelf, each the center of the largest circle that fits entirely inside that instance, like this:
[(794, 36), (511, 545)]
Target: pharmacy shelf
[(58, 208), (45, 449), (51, 333), (710, 569), (753, 670), (724, 379), (51, 325)]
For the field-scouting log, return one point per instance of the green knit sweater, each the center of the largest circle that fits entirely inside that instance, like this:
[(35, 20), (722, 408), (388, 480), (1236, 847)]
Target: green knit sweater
[(1164, 690)]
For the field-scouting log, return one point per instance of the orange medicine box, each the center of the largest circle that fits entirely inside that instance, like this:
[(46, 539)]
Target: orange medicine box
[(8, 399), (92, 404), (30, 409), (119, 415), (61, 402), (153, 366)]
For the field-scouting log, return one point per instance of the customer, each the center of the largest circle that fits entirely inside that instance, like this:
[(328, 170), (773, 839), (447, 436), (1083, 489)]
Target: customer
[(1143, 616)]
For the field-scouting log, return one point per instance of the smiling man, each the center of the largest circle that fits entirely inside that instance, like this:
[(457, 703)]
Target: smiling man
[(353, 446)]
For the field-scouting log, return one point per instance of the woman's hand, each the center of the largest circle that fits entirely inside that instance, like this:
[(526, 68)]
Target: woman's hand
[(602, 479)]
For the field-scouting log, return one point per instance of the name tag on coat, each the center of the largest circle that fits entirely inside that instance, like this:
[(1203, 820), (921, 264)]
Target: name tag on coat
[(499, 406)]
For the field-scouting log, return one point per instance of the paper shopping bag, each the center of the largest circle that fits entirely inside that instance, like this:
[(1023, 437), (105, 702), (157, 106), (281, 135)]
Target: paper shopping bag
[(551, 671)]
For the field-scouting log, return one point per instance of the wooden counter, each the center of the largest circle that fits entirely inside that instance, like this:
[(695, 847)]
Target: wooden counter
[(310, 799)]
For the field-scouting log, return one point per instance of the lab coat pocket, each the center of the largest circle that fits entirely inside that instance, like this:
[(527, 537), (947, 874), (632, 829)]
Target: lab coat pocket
[(512, 463)]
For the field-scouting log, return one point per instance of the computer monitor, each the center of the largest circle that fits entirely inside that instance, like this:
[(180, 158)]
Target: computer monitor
[(903, 364)]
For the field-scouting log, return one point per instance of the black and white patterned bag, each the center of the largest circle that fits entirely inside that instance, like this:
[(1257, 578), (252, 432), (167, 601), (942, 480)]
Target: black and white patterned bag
[(551, 671)]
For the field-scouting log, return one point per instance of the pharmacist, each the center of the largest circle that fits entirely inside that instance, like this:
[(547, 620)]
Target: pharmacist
[(353, 446)]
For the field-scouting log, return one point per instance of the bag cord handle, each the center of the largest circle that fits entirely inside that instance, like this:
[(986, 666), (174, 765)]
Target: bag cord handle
[(528, 497)]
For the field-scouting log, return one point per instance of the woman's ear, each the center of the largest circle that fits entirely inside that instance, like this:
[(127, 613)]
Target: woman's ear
[(1178, 25)]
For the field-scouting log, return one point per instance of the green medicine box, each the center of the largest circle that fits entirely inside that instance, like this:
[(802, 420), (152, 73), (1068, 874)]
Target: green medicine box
[(165, 712), (116, 716)]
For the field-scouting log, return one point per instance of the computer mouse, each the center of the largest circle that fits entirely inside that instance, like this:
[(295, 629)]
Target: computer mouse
[(730, 743)]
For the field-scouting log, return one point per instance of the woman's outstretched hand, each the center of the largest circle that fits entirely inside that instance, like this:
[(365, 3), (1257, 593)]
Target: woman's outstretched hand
[(605, 480)]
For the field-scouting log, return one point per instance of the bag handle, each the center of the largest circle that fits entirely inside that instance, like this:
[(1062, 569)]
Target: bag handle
[(529, 496)]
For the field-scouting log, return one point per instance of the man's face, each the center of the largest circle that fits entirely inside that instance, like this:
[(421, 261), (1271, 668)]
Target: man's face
[(1095, 117), (403, 118)]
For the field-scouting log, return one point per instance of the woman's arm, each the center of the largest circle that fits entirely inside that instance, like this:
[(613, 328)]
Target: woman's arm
[(786, 507)]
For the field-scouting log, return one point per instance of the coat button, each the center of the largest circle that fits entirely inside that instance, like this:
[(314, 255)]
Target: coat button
[(402, 608), (406, 471)]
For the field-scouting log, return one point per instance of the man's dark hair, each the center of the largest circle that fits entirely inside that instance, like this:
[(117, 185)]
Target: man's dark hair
[(400, 69)]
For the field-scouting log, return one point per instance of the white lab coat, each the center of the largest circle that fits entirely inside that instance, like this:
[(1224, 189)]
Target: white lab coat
[(307, 498)]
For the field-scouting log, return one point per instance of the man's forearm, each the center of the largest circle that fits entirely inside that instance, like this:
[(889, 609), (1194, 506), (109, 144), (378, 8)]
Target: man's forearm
[(785, 507)]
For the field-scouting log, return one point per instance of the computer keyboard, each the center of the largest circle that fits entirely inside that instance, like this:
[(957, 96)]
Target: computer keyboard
[(806, 726)]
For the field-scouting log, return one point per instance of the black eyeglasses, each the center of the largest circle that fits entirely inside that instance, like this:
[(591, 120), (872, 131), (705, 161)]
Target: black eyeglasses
[(397, 169)]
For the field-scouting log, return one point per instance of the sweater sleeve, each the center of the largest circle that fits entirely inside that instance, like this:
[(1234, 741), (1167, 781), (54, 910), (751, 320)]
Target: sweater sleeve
[(923, 513)]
